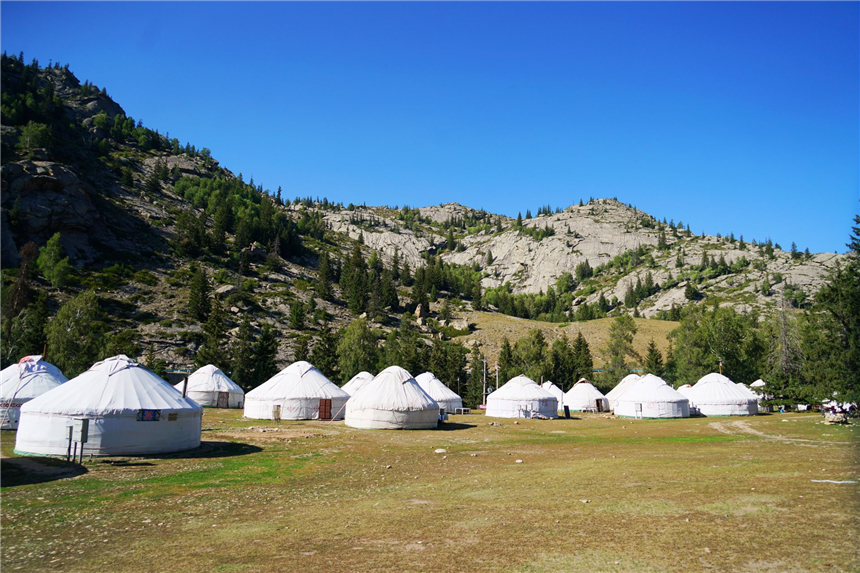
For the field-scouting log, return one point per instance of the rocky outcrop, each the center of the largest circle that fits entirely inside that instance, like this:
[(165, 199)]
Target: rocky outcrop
[(48, 198)]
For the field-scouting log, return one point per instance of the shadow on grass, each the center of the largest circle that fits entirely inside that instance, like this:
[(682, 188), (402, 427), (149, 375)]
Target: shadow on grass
[(215, 450), (451, 426), (29, 470)]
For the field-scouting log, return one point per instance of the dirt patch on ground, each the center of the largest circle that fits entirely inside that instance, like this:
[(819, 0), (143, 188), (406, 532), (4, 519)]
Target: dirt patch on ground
[(742, 427)]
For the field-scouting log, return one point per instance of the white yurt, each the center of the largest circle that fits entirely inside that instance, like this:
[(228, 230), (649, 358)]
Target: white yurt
[(356, 382), (747, 390), (584, 396), (521, 397), (554, 390), (392, 401), (684, 390), (131, 411), (436, 389), (651, 397), (619, 389), (211, 388), (21, 382), (301, 392), (716, 395)]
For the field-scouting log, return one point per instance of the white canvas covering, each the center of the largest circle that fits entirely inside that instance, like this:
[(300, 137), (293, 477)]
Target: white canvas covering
[(747, 390), (716, 395), (684, 390), (301, 391), (210, 387), (131, 411), (356, 382), (622, 386), (436, 389), (758, 383), (521, 397), (651, 397), (554, 390), (392, 401), (21, 382), (584, 396)]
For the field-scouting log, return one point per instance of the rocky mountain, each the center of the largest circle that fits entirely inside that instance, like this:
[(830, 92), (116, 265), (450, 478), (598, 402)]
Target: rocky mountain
[(135, 208)]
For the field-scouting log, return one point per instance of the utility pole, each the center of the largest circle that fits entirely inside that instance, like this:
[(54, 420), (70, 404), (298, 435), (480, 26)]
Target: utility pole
[(484, 391), (497, 374)]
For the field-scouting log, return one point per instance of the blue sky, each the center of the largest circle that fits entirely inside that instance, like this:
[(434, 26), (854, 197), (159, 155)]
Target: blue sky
[(734, 117)]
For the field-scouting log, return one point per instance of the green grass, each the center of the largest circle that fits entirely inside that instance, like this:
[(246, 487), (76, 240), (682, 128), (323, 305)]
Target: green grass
[(591, 494)]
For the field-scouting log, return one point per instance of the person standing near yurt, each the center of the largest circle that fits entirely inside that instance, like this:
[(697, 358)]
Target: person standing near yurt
[(521, 397), (210, 387), (131, 411), (21, 382), (392, 401)]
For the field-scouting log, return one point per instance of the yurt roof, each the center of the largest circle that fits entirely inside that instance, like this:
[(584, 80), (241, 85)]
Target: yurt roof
[(113, 386), (651, 388), (393, 389), (715, 388), (298, 380), (622, 386), (758, 383), (584, 390), (210, 378), (435, 387), (30, 377), (356, 382), (521, 388), (746, 389)]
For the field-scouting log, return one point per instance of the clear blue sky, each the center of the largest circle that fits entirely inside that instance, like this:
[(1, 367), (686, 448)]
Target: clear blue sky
[(734, 117)]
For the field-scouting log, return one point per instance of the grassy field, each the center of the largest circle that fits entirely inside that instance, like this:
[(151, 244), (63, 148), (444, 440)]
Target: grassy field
[(492, 327), (590, 494)]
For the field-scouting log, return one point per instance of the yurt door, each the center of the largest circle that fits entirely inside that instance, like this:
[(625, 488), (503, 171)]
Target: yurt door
[(325, 409), (223, 399)]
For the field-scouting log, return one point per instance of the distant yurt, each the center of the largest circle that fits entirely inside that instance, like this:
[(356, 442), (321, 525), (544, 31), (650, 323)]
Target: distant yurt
[(521, 397), (21, 382), (625, 383), (651, 397), (684, 390), (211, 388), (585, 397), (298, 392), (436, 389), (356, 382), (716, 395), (555, 391), (392, 401), (747, 390), (131, 411)]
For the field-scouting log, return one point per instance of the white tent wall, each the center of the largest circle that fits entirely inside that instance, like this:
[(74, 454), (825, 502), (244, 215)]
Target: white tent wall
[(716, 395), (116, 435), (620, 388), (301, 391), (21, 382), (208, 384), (651, 397), (392, 401), (293, 408), (356, 382), (584, 396), (131, 411), (436, 389), (555, 391), (521, 397)]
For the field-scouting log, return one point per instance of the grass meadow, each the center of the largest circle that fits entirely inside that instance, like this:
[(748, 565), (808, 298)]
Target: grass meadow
[(591, 493)]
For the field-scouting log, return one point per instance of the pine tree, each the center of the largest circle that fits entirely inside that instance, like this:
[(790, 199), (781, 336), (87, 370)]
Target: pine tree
[(324, 353), (324, 277), (16, 301), (264, 352), (243, 355), (199, 300), (297, 315), (473, 397), (583, 363), (301, 348), (620, 346), (653, 363), (213, 350)]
